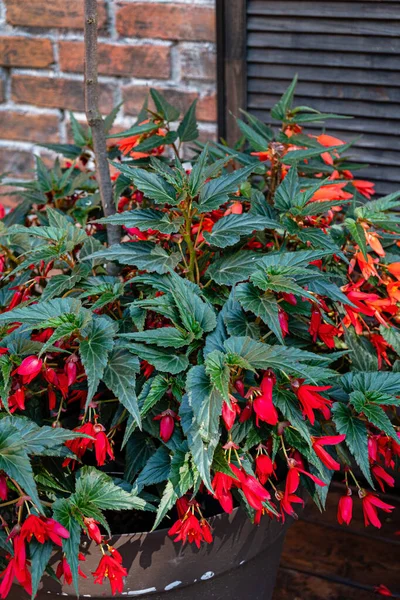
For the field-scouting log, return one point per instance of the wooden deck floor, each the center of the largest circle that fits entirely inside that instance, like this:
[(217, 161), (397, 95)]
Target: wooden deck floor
[(325, 561)]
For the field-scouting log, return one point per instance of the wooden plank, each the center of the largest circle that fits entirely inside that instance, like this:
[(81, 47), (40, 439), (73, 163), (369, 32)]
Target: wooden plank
[(313, 548), (313, 73), (316, 41), (231, 27), (335, 105), (357, 10), (327, 90), (329, 59), (294, 585), (318, 25)]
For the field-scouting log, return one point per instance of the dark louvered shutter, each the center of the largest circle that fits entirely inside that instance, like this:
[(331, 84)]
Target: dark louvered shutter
[(347, 56)]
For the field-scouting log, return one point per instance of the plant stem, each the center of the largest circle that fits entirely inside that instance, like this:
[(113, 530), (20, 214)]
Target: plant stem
[(95, 119)]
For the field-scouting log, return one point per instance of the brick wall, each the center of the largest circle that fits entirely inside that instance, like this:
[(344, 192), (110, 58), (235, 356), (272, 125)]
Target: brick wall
[(165, 44)]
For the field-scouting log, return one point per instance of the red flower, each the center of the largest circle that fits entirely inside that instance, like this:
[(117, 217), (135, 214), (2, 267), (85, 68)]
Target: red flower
[(383, 590), (3, 488), (292, 483), (382, 477), (17, 400), (315, 322), (29, 368), (263, 405), (323, 455), (255, 493), (222, 485), (370, 503), (246, 413), (43, 530), (205, 527), (64, 570), (110, 568), (167, 423), (283, 322), (93, 530), (102, 445), (79, 445), (345, 509), (264, 468), (327, 334), (12, 572), (366, 188), (381, 346), (189, 529), (229, 414), (310, 400)]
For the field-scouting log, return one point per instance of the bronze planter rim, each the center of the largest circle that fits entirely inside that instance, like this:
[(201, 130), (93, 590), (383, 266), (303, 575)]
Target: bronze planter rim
[(156, 565)]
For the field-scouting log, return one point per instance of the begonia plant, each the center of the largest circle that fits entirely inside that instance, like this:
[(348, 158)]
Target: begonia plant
[(241, 343)]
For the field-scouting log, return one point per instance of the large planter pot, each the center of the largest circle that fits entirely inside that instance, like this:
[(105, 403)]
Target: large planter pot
[(241, 564)]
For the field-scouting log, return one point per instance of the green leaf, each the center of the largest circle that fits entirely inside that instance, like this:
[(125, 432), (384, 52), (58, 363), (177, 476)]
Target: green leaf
[(233, 268), (156, 469), (377, 416), (167, 501), (263, 305), (356, 436), (15, 463), (187, 130), (392, 336), (63, 512), (216, 192), (40, 556), (280, 109), (152, 185), (164, 108), (155, 391), (136, 130), (228, 230), (143, 255), (357, 232), (79, 133), (94, 352), (67, 150), (362, 355), (43, 311), (162, 360), (98, 488), (162, 336), (180, 474), (218, 372), (145, 219), (119, 377), (286, 403), (256, 140), (201, 451), (139, 448), (205, 401), (197, 315)]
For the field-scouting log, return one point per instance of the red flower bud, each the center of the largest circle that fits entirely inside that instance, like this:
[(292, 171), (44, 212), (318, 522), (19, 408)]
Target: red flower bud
[(29, 368), (93, 530), (345, 509), (167, 424)]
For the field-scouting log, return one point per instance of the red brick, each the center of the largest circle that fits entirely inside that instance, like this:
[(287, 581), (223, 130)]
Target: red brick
[(134, 96), (16, 162), (198, 63), (56, 93), (28, 127), (131, 61), (50, 13), (2, 91), (166, 21), (23, 52)]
